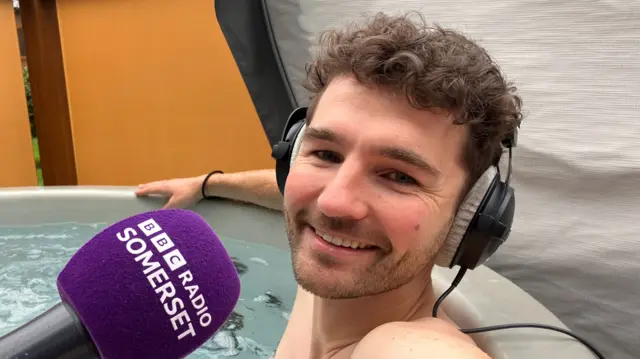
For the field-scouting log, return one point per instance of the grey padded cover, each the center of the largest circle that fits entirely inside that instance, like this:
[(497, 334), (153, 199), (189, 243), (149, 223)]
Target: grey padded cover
[(576, 238)]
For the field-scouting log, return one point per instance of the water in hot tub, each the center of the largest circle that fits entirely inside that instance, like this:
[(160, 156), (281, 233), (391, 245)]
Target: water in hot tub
[(32, 257)]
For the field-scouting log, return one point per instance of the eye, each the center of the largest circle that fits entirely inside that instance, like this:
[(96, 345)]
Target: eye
[(328, 156), (401, 178)]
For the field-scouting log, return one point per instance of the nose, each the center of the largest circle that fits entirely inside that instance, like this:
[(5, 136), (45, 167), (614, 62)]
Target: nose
[(343, 195)]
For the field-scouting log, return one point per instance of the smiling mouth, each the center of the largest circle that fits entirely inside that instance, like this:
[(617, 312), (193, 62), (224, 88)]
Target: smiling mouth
[(342, 242)]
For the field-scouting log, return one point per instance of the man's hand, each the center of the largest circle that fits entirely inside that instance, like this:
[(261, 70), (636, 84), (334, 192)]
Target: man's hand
[(182, 192), (425, 338)]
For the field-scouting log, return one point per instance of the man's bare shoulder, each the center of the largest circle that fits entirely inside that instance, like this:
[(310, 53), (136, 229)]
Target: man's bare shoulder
[(428, 337)]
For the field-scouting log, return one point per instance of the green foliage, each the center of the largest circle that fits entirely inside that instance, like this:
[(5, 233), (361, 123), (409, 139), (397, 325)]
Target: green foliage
[(34, 137), (27, 89), (36, 151)]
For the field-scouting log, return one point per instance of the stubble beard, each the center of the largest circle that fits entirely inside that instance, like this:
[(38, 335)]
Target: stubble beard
[(318, 273)]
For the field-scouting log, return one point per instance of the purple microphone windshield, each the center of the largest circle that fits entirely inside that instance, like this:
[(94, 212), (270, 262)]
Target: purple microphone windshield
[(155, 285)]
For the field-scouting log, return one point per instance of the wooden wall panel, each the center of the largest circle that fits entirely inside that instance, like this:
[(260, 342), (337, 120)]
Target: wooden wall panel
[(154, 92), (17, 164)]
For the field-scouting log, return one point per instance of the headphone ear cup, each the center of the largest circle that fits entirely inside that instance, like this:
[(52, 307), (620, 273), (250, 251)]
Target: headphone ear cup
[(297, 144), (465, 216), (489, 229), (285, 150), (282, 167), (284, 164)]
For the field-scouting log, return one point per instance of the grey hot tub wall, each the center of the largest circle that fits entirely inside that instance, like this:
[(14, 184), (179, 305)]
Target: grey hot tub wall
[(483, 298)]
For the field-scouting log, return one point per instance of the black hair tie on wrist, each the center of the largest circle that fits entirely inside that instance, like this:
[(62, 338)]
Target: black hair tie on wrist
[(204, 184)]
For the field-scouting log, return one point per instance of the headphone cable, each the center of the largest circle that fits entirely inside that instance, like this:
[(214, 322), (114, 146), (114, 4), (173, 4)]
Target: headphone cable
[(455, 283)]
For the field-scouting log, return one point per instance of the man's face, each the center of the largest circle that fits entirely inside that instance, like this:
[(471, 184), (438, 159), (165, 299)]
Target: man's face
[(372, 194)]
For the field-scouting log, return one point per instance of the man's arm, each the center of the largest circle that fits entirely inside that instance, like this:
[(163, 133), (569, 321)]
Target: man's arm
[(257, 187), (429, 338)]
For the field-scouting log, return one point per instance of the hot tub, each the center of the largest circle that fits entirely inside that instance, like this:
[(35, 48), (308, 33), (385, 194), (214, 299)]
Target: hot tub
[(41, 228)]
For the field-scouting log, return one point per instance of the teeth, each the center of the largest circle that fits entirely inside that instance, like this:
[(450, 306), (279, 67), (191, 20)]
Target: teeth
[(342, 242)]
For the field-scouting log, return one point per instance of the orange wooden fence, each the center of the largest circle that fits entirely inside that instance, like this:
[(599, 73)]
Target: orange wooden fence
[(124, 91), (17, 165)]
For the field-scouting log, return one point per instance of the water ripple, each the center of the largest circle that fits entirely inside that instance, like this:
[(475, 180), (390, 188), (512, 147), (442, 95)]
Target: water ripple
[(32, 257)]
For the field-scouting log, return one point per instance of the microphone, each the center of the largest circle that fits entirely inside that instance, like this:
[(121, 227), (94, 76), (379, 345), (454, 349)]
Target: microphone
[(155, 285)]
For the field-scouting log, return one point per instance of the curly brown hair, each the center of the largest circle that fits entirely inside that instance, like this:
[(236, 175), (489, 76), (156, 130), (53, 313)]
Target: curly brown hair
[(432, 67)]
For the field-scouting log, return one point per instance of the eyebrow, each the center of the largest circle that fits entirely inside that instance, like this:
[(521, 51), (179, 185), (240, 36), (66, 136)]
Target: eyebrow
[(396, 153), (409, 157), (323, 134)]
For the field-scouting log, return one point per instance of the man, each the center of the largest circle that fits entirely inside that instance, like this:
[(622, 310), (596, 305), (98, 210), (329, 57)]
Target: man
[(403, 120)]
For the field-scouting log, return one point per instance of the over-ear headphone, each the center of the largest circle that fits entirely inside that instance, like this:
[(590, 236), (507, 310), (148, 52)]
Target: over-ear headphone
[(482, 223)]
